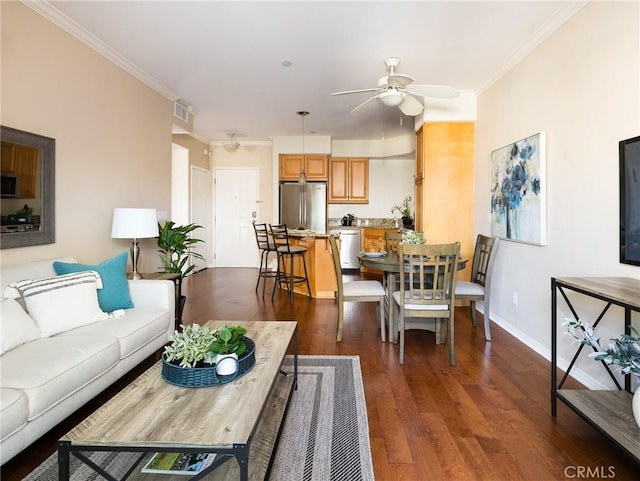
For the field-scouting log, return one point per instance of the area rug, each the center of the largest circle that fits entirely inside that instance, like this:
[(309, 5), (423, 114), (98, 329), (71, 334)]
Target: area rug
[(325, 434)]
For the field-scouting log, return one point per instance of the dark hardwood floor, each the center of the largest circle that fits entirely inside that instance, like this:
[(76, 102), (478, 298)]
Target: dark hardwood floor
[(487, 418)]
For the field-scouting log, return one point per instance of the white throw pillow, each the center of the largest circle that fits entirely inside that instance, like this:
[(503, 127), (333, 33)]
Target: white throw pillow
[(16, 327), (61, 303)]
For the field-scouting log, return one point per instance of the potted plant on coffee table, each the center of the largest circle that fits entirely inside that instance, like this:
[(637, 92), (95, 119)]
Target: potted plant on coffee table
[(227, 345), (190, 348)]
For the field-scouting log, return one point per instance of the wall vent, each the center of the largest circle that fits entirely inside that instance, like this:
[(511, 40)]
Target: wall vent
[(181, 112)]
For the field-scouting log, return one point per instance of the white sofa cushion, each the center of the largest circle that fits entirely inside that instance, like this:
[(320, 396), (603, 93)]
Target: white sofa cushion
[(60, 303), (16, 327), (135, 329), (50, 370), (13, 410)]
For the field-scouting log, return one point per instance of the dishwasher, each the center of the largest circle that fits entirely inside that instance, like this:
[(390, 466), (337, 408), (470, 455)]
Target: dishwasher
[(349, 247)]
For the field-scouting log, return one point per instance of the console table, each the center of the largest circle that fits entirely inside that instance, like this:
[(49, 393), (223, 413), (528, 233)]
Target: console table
[(609, 411)]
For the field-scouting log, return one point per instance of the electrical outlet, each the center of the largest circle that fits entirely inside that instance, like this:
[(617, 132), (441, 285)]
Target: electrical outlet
[(514, 298)]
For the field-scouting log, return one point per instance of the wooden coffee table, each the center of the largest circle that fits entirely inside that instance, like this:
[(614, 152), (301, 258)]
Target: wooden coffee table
[(151, 415)]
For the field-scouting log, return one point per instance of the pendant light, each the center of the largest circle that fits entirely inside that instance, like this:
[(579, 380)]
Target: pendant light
[(302, 180)]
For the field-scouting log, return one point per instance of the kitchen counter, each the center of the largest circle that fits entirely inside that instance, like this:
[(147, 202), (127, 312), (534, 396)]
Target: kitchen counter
[(319, 261), (302, 233), (363, 223)]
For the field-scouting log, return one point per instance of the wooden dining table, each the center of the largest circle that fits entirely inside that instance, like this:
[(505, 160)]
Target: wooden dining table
[(389, 264)]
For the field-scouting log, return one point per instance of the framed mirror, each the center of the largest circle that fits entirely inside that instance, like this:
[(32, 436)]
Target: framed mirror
[(27, 202)]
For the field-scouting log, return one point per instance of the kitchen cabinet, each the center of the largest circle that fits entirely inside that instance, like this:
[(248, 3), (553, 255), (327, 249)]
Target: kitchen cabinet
[(315, 166), (373, 237), (348, 180), (320, 270), (21, 160), (444, 185)]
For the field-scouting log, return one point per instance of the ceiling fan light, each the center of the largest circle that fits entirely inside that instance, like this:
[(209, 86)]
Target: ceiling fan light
[(391, 98)]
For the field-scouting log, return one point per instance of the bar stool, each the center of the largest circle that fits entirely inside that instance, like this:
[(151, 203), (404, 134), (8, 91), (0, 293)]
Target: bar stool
[(285, 250), (266, 247)]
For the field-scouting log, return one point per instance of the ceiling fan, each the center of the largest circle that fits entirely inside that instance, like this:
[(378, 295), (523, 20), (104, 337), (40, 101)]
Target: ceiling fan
[(395, 91)]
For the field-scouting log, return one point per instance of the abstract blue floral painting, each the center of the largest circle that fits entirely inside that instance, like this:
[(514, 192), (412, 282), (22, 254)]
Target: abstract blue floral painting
[(518, 210)]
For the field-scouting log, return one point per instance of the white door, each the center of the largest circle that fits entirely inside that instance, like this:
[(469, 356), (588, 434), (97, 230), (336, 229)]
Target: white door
[(236, 206), (200, 215)]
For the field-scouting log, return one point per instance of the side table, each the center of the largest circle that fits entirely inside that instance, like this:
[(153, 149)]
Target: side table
[(609, 411), (177, 280)]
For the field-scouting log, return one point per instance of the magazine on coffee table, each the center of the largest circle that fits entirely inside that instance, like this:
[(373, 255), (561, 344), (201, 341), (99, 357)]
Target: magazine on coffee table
[(179, 463)]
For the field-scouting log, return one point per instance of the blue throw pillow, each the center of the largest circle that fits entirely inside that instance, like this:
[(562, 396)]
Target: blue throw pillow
[(115, 288)]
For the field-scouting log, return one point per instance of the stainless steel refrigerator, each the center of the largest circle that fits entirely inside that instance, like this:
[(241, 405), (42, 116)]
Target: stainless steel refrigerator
[(304, 207)]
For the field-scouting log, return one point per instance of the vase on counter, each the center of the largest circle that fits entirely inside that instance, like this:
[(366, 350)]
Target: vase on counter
[(407, 222)]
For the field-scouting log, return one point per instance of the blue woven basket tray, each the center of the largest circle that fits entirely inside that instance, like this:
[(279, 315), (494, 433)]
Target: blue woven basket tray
[(207, 376)]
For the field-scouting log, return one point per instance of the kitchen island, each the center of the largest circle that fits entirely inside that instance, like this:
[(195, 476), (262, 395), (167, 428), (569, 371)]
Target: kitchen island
[(320, 270)]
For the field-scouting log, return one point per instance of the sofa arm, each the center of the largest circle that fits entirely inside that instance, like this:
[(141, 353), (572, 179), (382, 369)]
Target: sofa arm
[(153, 293)]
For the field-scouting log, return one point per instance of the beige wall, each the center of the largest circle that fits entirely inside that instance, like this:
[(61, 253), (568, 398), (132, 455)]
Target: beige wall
[(113, 135), (196, 149), (581, 87), (256, 156)]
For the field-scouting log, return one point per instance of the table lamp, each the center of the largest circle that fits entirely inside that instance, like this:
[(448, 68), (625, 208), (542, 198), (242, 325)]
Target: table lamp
[(134, 224)]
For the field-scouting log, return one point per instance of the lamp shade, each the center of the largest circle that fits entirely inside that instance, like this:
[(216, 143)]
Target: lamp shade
[(134, 223)]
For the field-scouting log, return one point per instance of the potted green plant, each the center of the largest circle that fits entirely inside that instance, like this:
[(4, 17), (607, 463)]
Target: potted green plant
[(227, 345), (175, 245), (190, 347), (412, 237), (404, 211), (623, 351)]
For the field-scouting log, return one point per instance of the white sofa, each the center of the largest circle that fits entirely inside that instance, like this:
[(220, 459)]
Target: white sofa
[(46, 379)]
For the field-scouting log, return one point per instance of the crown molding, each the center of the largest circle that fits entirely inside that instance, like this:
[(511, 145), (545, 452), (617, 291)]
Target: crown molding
[(536, 39), (55, 16)]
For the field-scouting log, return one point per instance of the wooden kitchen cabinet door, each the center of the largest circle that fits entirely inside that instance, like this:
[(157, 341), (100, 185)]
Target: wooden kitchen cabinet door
[(315, 166), (348, 180), (26, 165), (338, 180), (359, 181), (8, 158), (22, 161), (290, 166)]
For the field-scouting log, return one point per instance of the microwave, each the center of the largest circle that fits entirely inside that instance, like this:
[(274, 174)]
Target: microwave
[(9, 185)]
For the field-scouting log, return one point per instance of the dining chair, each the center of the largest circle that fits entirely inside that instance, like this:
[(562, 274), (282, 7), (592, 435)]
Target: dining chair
[(479, 287), (286, 258), (427, 289), (392, 239), (356, 291), (266, 247)]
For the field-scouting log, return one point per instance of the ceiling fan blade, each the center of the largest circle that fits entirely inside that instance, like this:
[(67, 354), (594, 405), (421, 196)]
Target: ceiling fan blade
[(436, 91), (366, 105), (411, 106), (356, 91), (399, 80)]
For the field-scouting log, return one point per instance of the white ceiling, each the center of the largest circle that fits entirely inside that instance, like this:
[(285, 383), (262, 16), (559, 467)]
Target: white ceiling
[(225, 58)]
